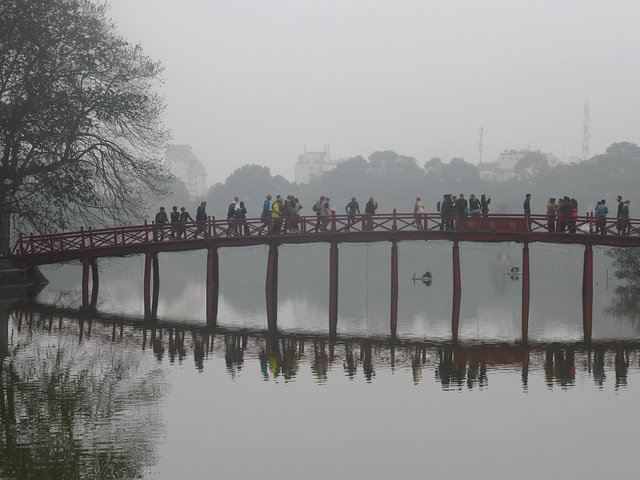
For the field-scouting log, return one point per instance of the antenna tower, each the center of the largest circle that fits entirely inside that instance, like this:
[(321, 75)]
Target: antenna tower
[(480, 144), (585, 134)]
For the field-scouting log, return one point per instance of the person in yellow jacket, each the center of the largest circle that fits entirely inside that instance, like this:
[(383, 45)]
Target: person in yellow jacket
[(276, 215)]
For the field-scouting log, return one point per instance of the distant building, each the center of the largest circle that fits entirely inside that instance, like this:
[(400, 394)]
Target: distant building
[(312, 165), (503, 168), (184, 165)]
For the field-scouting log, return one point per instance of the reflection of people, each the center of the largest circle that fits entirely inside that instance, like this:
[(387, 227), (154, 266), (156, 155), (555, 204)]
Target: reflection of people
[(599, 376)]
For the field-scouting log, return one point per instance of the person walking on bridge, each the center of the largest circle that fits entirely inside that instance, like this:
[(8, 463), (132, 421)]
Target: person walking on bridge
[(265, 215), (352, 208), (161, 219), (175, 219), (527, 208), (370, 210), (201, 218), (418, 212), (484, 204), (601, 213), (184, 218), (619, 221)]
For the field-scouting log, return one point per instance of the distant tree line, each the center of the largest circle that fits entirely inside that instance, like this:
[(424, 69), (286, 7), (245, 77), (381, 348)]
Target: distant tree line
[(396, 180)]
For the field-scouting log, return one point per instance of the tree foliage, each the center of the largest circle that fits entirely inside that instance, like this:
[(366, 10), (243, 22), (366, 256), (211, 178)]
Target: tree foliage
[(80, 120), (529, 166)]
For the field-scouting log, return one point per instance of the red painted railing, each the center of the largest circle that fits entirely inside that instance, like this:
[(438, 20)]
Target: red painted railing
[(312, 225)]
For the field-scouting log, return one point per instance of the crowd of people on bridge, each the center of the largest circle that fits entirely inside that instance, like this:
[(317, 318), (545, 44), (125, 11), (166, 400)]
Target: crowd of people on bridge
[(282, 215)]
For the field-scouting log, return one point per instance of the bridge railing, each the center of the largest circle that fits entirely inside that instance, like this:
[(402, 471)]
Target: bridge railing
[(313, 224)]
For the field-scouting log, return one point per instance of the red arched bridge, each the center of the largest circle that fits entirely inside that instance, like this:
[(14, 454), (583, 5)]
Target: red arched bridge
[(87, 246)]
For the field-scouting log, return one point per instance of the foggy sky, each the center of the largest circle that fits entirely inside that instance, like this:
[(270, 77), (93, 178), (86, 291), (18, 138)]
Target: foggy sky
[(256, 81)]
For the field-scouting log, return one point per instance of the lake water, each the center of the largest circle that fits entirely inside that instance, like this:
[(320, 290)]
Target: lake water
[(112, 397)]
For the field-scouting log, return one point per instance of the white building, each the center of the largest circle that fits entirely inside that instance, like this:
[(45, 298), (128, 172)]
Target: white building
[(312, 165), (503, 168), (184, 165)]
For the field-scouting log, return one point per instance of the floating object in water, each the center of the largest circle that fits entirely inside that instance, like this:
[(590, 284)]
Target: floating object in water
[(427, 277), (514, 271)]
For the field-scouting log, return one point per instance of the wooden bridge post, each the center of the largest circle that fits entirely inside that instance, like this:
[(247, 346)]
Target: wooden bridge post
[(457, 284), (587, 293), (156, 286), (394, 287), (333, 288), (213, 285), (147, 285), (271, 287)]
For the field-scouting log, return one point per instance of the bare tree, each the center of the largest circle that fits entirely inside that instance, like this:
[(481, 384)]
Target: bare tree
[(81, 136)]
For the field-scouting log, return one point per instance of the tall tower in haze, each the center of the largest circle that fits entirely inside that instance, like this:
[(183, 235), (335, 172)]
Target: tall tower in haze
[(480, 144), (585, 133)]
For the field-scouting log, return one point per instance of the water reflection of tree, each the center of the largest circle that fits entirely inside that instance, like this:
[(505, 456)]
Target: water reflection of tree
[(68, 410), (626, 303)]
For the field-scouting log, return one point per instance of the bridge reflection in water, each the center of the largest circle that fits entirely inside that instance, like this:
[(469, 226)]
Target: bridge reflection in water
[(281, 355)]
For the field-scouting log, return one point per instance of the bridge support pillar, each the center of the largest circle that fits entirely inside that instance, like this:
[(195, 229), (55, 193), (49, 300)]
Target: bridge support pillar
[(526, 290), (394, 288), (213, 286), (156, 286), (271, 288), (333, 290), (457, 283), (587, 293), (148, 263)]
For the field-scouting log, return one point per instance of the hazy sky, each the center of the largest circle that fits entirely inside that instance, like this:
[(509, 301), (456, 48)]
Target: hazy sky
[(254, 81)]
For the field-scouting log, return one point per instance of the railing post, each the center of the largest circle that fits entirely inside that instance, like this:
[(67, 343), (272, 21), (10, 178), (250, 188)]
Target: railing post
[(82, 237), (394, 225), (146, 232), (559, 222), (333, 221), (591, 223), (31, 243)]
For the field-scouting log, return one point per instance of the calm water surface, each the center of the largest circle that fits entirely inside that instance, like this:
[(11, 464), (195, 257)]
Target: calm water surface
[(111, 397)]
